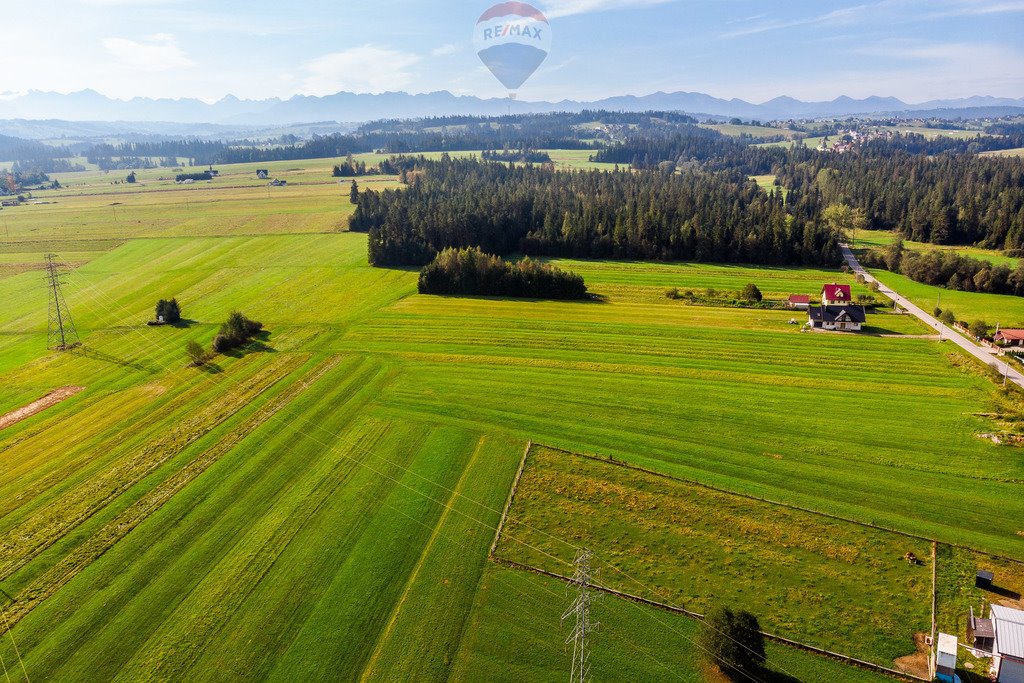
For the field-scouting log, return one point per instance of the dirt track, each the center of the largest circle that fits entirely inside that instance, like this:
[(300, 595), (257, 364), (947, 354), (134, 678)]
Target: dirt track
[(38, 406)]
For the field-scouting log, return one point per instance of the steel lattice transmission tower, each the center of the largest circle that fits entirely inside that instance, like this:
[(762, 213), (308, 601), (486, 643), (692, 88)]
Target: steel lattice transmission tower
[(61, 333), (579, 613)]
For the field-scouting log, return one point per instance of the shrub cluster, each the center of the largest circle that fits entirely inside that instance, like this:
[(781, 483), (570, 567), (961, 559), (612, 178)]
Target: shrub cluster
[(471, 271), (235, 332), (182, 177), (168, 311)]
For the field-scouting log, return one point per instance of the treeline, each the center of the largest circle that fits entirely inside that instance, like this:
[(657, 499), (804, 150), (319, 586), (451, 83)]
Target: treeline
[(526, 156), (350, 168), (503, 208), (945, 199), (693, 145), (470, 271), (948, 269)]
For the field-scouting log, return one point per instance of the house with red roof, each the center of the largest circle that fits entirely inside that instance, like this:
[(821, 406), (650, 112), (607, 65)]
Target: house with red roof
[(799, 301), (837, 311), (1010, 337), (836, 295)]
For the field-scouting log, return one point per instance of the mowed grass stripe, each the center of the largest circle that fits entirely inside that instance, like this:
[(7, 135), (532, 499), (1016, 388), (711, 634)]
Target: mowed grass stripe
[(44, 586), (155, 567), (447, 575), (828, 469), (340, 633)]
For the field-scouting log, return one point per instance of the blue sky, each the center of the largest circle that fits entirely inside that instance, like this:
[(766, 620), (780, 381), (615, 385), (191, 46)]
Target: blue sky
[(754, 50)]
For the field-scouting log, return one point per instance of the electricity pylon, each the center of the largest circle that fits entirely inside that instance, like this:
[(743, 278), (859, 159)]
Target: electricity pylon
[(579, 612), (61, 334)]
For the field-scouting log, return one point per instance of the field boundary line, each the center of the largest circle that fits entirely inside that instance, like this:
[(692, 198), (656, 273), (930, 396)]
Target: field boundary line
[(846, 659), (935, 602), (637, 468), (511, 496)]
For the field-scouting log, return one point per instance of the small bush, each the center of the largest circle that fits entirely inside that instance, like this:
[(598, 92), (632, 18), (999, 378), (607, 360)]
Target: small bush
[(979, 328), (672, 294), (937, 312), (197, 355), (734, 643), (751, 293), (947, 317), (237, 331)]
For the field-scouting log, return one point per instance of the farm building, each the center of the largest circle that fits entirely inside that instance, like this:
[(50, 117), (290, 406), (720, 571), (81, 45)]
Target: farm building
[(799, 301), (1008, 648), (945, 659), (262, 173), (1010, 337), (836, 311), (982, 633)]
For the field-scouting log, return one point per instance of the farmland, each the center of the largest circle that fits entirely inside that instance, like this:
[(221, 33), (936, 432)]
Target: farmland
[(994, 308), (853, 591), (879, 239), (324, 502)]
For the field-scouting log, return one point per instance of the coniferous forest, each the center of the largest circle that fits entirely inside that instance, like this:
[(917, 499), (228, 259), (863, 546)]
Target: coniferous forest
[(505, 208)]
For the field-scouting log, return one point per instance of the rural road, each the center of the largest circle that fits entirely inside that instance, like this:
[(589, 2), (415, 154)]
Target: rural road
[(967, 345)]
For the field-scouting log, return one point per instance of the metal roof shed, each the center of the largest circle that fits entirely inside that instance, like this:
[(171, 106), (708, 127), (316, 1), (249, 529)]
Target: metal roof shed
[(1008, 662)]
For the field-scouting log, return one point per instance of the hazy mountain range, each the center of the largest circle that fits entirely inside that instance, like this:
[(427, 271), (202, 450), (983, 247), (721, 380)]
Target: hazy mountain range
[(88, 105)]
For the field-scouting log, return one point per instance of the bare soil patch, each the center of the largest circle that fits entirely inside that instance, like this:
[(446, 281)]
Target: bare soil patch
[(39, 405), (917, 663)]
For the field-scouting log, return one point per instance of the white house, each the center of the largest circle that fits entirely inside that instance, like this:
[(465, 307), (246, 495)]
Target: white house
[(837, 311), (1008, 649)]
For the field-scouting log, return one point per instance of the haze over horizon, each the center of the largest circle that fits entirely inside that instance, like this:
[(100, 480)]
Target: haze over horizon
[(909, 49)]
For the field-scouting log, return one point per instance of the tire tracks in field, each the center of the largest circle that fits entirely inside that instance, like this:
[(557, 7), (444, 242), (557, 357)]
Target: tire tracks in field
[(64, 571), (22, 543), (182, 637), (385, 633)]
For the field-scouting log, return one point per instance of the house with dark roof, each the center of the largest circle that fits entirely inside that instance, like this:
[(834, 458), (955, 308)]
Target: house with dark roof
[(837, 312)]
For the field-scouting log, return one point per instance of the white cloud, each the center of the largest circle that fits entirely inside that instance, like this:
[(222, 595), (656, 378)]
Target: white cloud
[(159, 52), (839, 17), (445, 50), (368, 68), (554, 9)]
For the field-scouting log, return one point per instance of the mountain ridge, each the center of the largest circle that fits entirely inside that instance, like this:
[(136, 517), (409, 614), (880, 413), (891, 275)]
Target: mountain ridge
[(89, 105)]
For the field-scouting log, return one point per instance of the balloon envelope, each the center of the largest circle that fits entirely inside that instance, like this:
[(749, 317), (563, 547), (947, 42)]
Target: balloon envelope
[(512, 39)]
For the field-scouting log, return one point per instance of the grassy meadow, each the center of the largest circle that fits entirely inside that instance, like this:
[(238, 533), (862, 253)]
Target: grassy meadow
[(828, 583), (320, 505)]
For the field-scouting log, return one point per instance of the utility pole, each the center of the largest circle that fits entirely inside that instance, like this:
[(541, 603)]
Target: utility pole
[(61, 334), (579, 612)]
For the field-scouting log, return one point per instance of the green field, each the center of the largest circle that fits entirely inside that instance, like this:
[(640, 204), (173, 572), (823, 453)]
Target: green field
[(879, 239), (324, 502), (1006, 310), (831, 584), (735, 130), (1016, 152)]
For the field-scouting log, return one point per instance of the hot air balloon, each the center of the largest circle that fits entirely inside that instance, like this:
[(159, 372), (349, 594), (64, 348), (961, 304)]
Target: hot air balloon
[(512, 39)]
